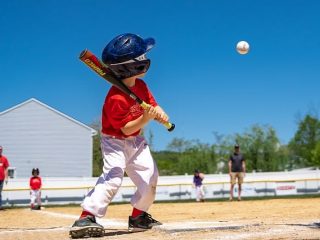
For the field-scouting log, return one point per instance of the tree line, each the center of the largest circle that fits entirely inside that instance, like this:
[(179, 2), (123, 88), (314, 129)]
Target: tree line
[(259, 144)]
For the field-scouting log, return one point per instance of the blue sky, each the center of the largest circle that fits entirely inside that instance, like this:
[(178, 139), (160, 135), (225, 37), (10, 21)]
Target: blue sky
[(196, 75)]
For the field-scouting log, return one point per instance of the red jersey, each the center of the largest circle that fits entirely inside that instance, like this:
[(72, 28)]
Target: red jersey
[(35, 183), (4, 164), (119, 108)]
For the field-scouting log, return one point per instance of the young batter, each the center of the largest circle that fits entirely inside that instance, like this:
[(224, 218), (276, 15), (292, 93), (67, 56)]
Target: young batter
[(123, 148)]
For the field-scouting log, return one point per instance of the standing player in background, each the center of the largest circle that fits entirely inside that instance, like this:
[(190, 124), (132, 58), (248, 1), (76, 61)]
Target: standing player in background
[(237, 170), (197, 182), (4, 164), (35, 189), (124, 149)]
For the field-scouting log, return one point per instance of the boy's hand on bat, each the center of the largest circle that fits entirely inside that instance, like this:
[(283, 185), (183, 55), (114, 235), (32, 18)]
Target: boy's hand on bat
[(161, 117), (150, 113)]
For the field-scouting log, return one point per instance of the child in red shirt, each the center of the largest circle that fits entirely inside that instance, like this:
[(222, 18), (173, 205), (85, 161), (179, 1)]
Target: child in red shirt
[(4, 164), (35, 189), (124, 149)]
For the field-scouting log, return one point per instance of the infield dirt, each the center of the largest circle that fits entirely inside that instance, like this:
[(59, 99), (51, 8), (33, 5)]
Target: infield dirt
[(254, 219)]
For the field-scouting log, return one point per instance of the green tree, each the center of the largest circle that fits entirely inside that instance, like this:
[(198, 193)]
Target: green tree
[(97, 159), (150, 140), (260, 146), (167, 162), (222, 147), (97, 164), (283, 158), (185, 156), (316, 155), (179, 145), (305, 140)]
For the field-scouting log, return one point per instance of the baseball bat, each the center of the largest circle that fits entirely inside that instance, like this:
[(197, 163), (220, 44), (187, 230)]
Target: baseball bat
[(102, 70)]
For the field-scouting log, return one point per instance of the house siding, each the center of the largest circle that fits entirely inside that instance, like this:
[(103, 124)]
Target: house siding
[(34, 135)]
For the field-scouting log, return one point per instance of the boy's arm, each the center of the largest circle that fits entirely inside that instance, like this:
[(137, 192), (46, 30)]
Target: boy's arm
[(149, 114), (162, 117), (6, 175), (244, 167)]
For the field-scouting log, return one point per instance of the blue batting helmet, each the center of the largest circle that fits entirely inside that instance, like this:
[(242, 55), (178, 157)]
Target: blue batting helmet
[(125, 55), (126, 47)]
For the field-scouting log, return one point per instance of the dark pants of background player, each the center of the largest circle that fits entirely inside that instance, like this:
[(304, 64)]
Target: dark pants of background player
[(1, 187)]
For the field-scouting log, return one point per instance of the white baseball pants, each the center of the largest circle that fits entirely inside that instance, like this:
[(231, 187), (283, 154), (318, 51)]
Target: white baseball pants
[(199, 193), (132, 156), (35, 197)]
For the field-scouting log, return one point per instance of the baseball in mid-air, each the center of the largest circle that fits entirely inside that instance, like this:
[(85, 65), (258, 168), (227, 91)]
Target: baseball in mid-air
[(243, 47)]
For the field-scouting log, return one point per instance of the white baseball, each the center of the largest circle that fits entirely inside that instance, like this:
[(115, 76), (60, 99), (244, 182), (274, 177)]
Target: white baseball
[(243, 47)]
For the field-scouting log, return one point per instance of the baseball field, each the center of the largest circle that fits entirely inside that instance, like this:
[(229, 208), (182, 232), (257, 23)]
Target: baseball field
[(249, 219)]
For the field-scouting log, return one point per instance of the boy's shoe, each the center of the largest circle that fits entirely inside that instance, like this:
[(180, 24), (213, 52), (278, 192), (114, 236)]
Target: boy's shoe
[(143, 222), (36, 207), (86, 227)]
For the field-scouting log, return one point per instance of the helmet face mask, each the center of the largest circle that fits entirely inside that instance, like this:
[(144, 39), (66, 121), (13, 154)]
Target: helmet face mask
[(127, 70), (137, 59)]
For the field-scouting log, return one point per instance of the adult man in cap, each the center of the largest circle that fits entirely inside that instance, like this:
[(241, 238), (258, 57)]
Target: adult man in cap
[(237, 170), (4, 164)]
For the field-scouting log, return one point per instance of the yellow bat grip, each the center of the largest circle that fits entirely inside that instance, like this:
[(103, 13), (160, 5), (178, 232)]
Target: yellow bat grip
[(170, 126)]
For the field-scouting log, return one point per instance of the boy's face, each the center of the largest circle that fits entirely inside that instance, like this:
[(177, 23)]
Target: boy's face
[(130, 82), (141, 75)]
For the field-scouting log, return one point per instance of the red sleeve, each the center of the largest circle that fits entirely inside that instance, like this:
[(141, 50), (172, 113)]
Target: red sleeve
[(117, 111), (5, 163), (151, 99), (149, 96), (30, 182), (40, 182)]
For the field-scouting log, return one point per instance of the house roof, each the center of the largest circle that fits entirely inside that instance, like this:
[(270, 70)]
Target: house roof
[(94, 132)]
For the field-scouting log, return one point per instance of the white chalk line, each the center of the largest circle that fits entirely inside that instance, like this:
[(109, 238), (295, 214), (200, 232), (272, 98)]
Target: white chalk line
[(104, 222), (22, 230)]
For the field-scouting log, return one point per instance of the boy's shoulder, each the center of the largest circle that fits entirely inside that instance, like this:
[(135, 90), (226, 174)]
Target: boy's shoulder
[(115, 92), (139, 81), (37, 177)]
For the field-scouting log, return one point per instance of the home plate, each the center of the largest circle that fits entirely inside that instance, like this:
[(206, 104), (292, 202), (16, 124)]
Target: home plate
[(176, 227)]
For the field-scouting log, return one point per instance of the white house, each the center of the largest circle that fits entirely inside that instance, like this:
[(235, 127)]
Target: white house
[(36, 135)]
